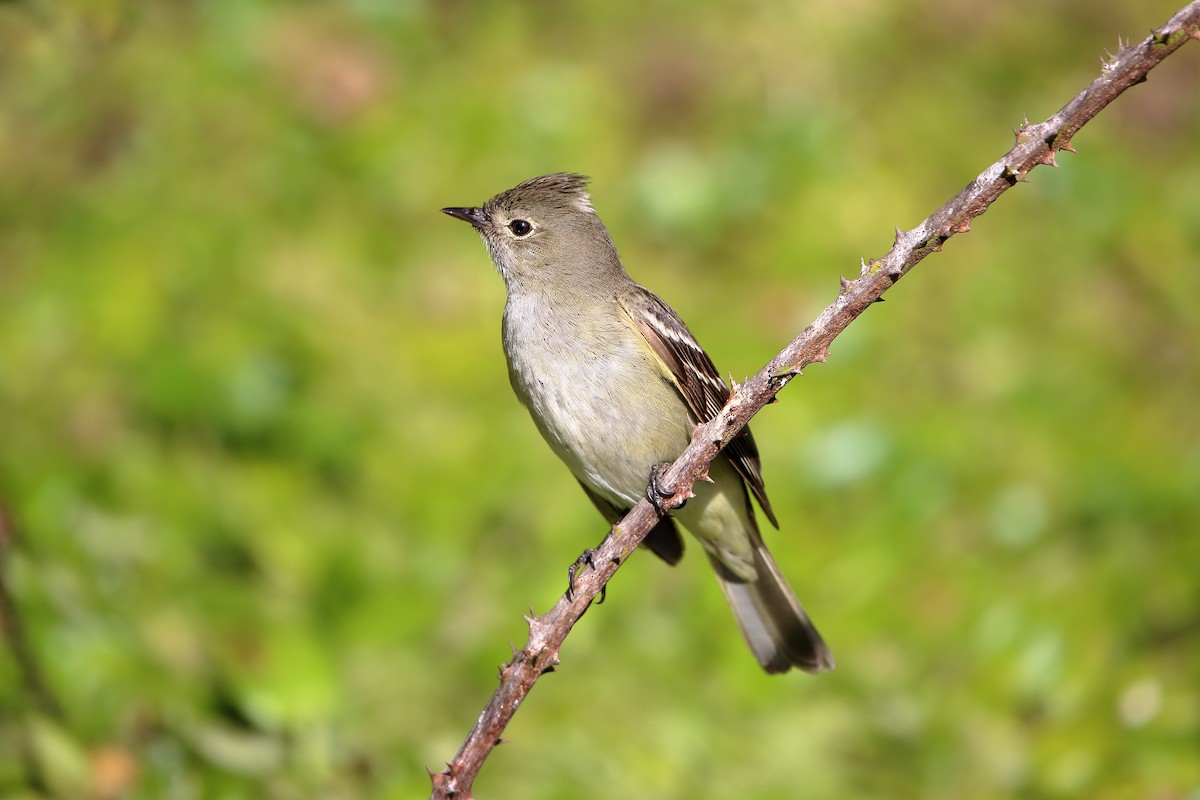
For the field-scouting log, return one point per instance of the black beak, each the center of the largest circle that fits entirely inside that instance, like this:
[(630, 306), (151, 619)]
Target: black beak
[(475, 216)]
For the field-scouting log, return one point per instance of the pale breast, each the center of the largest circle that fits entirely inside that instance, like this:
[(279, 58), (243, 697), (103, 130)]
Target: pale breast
[(595, 395)]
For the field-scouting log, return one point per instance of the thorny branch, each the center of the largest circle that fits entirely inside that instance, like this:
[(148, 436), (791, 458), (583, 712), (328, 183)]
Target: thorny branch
[(1036, 144)]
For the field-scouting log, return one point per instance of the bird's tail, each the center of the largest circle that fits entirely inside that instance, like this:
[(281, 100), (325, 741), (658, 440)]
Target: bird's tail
[(775, 626)]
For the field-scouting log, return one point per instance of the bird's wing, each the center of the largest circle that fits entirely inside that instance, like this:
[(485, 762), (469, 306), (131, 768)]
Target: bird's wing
[(696, 378)]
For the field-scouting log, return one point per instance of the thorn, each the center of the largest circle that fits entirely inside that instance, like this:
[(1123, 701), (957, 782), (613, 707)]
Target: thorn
[(877, 300), (528, 620), (1047, 158), (704, 477), (899, 236), (1020, 131), (962, 227), (845, 283), (820, 357)]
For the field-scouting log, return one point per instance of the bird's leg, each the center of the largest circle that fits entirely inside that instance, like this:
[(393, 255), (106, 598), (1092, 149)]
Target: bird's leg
[(658, 495), (588, 558)]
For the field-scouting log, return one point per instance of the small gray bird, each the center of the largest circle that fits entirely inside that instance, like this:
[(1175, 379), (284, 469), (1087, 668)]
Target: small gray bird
[(616, 382)]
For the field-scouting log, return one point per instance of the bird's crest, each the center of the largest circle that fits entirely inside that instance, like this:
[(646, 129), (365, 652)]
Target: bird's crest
[(568, 185)]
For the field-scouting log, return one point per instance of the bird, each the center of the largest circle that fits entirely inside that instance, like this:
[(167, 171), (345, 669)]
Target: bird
[(615, 382)]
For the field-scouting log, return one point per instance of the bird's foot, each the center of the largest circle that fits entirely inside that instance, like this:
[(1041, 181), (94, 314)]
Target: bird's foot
[(586, 558), (663, 499)]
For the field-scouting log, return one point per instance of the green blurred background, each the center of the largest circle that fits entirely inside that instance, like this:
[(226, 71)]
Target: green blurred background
[(276, 514)]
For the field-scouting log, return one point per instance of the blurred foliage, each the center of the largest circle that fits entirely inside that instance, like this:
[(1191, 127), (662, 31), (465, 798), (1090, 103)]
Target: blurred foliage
[(277, 514)]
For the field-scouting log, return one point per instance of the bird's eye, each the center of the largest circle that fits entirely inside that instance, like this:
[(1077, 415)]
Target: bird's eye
[(520, 227)]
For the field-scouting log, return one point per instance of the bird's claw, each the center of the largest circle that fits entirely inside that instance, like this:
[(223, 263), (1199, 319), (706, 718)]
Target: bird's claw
[(656, 494), (586, 558)]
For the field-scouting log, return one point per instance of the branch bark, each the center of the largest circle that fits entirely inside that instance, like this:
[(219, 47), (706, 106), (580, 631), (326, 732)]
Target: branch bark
[(1036, 145)]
